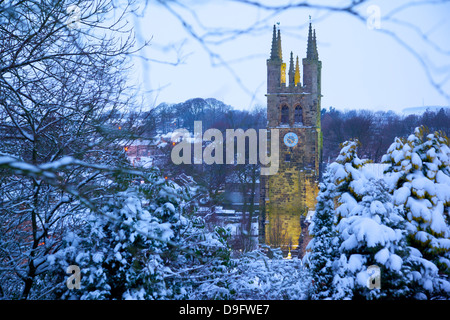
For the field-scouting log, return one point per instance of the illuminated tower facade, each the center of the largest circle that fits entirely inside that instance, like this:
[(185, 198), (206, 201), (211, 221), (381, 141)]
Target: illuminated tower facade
[(293, 108)]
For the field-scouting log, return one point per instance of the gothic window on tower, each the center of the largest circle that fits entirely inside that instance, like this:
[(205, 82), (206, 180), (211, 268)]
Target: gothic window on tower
[(284, 115), (298, 115)]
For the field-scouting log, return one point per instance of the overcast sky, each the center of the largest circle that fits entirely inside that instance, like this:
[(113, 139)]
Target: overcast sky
[(362, 68)]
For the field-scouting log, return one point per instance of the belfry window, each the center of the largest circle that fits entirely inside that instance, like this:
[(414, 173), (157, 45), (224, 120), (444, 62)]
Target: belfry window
[(298, 115), (284, 115)]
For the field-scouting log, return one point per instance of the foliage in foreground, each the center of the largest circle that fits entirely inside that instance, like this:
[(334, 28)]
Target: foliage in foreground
[(399, 224)]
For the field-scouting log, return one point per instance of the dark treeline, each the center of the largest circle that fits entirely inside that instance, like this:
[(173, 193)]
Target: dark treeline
[(212, 113), (214, 178), (375, 129)]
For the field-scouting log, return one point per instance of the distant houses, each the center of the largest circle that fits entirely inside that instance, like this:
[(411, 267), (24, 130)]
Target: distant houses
[(145, 152)]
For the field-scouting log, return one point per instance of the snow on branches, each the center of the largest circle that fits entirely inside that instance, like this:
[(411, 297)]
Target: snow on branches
[(399, 223)]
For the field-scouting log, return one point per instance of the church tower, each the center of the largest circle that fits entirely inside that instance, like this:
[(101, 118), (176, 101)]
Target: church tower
[(293, 108)]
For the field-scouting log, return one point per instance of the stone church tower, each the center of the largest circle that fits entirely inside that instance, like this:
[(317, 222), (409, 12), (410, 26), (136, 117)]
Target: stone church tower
[(293, 108)]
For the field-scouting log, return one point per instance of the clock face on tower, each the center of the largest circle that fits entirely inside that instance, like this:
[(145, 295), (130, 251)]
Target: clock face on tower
[(290, 139)]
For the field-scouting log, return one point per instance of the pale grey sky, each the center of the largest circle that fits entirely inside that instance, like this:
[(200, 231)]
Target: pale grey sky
[(362, 68)]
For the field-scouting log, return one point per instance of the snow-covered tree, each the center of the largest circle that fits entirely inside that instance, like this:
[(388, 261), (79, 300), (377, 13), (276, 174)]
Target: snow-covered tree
[(368, 232), (143, 244), (372, 234), (62, 80), (323, 247), (419, 179)]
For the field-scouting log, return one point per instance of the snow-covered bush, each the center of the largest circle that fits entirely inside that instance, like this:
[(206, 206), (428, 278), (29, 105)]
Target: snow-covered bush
[(144, 245), (372, 234), (255, 276), (399, 223), (419, 179), (361, 228)]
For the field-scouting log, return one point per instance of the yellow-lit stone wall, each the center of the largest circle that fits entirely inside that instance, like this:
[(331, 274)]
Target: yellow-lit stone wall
[(293, 190)]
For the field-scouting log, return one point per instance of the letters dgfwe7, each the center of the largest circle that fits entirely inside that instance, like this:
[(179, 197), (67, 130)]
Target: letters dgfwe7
[(233, 309)]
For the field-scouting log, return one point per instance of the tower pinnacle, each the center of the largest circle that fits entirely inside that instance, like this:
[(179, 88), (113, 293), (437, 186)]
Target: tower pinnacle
[(311, 51), (291, 71), (274, 49), (310, 45), (316, 54), (297, 73), (280, 55)]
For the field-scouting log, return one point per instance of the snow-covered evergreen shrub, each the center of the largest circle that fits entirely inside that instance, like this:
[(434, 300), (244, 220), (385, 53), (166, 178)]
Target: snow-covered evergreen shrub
[(258, 275), (363, 228), (373, 234), (419, 179), (144, 245), (323, 247)]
